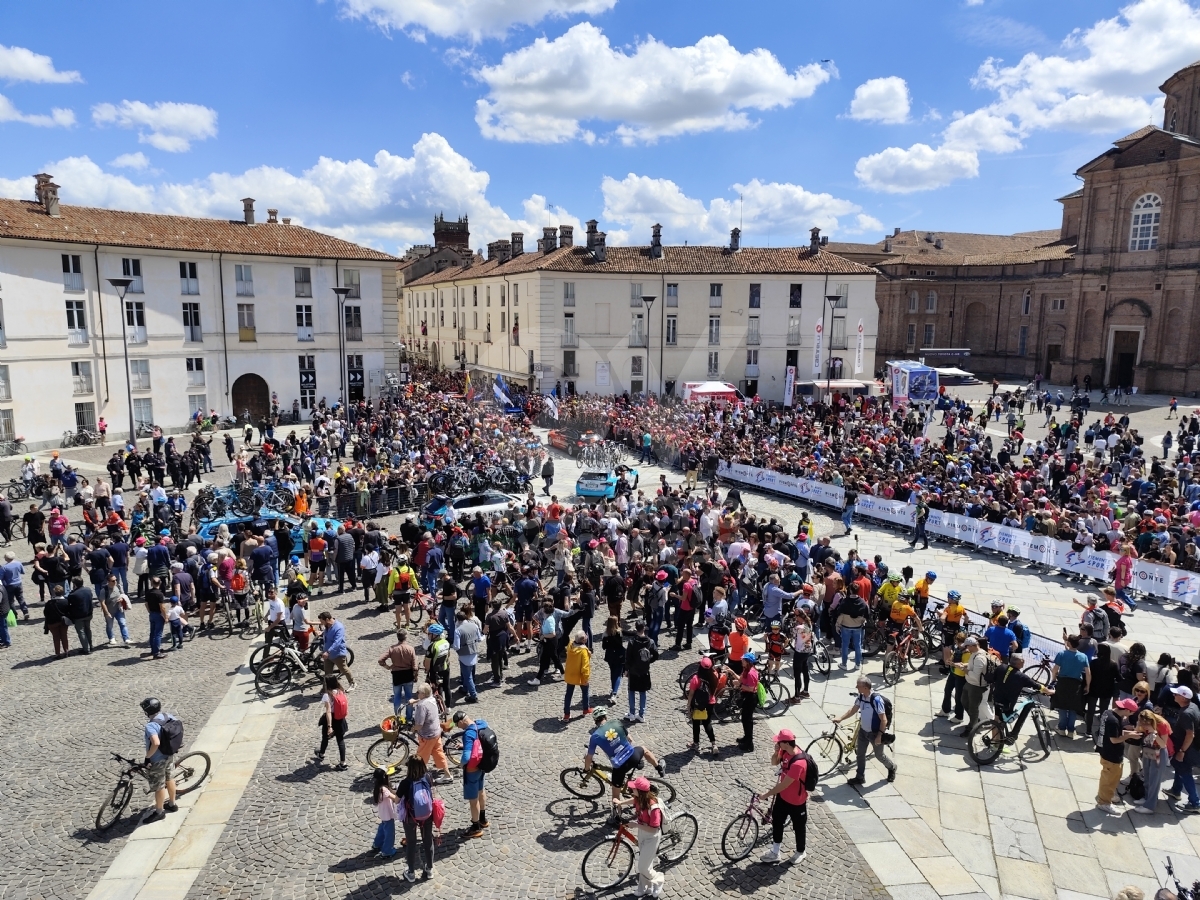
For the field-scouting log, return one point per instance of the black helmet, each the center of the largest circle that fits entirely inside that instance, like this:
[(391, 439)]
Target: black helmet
[(152, 706)]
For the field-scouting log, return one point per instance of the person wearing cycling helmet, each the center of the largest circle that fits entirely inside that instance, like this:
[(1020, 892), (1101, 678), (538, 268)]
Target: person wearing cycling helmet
[(747, 682), (437, 660), (776, 642), (622, 753), (888, 593), (158, 764), (997, 611), (921, 591), (954, 619)]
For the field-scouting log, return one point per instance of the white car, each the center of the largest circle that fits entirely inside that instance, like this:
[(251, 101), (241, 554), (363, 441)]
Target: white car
[(488, 502)]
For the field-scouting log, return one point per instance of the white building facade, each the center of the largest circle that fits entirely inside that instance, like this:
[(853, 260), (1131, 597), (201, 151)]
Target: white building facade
[(576, 317), (223, 315)]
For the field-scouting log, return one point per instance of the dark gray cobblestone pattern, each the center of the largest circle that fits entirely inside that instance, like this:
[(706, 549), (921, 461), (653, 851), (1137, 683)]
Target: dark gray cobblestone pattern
[(304, 831)]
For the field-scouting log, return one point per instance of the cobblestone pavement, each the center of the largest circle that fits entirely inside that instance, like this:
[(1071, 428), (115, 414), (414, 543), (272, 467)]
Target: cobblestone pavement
[(303, 830)]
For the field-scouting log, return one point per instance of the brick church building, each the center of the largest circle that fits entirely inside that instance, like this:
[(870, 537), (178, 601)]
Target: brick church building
[(1112, 294)]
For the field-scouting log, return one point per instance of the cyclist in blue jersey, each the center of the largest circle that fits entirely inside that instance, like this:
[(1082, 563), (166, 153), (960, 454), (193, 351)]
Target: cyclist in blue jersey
[(621, 752)]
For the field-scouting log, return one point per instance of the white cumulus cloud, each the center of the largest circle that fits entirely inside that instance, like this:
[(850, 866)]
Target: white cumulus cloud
[(386, 202), (548, 91), (166, 126), (472, 19), (20, 64), (919, 168), (137, 160), (58, 118), (766, 211), (881, 100), (1105, 81)]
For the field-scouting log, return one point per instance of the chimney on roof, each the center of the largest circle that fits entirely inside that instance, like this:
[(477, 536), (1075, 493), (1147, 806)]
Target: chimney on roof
[(566, 235), (735, 240), (248, 210), (500, 251), (47, 193), (518, 243), (272, 217), (929, 237), (896, 231), (598, 249), (938, 243), (287, 220), (656, 250), (887, 245), (549, 240), (814, 245), (591, 234)]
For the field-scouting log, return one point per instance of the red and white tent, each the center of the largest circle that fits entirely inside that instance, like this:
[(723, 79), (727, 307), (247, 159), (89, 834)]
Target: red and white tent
[(711, 390)]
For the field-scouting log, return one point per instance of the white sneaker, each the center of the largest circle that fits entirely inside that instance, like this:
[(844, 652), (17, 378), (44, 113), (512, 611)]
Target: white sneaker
[(1107, 808), (1061, 732), (656, 890), (797, 857), (957, 720), (940, 715), (771, 857), (1141, 810)]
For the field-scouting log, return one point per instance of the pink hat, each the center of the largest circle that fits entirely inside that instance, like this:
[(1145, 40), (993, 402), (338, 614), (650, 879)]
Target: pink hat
[(661, 575), (785, 735), (1127, 704), (641, 783)]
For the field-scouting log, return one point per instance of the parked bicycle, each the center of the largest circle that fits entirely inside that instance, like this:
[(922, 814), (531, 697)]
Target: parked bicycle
[(988, 740), (911, 650), (188, 773), (81, 438), (610, 861), (741, 835), (13, 447)]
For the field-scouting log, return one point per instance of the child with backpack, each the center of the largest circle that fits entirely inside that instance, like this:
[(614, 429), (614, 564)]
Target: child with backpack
[(385, 808), (336, 707), (419, 810)]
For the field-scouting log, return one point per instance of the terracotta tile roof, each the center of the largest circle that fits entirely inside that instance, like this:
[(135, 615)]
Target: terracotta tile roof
[(84, 224), (1137, 135), (675, 260), (1019, 257), (915, 250), (1071, 196)]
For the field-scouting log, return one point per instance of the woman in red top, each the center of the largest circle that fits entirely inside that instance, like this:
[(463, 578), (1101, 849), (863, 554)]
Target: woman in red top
[(791, 798), (649, 822), (701, 696)]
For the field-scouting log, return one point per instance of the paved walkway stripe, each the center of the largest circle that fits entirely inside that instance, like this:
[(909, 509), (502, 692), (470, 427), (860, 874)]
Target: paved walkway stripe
[(161, 860)]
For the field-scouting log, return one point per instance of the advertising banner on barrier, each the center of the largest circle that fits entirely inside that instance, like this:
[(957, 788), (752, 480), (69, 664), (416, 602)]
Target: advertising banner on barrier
[(1150, 578), (801, 488)]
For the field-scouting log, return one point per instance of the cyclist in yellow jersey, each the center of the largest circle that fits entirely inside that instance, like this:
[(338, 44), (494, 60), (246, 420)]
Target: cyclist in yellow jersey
[(889, 591), (922, 590), (901, 611), (954, 619)]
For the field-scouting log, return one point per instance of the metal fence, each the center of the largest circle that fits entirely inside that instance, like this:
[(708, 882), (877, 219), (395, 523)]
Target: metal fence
[(385, 502)]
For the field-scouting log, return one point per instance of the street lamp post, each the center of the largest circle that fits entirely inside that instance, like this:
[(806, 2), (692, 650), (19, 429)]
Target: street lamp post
[(831, 301), (649, 301), (122, 285), (343, 373)]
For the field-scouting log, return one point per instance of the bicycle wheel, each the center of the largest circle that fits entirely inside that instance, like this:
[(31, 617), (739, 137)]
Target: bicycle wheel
[(874, 642), (16, 491), (677, 837), (607, 864), (20, 448), (739, 838), (820, 659), (663, 788), (986, 741), (918, 654), (778, 698), (115, 804), (262, 654), (190, 771), (416, 610), (891, 667), (686, 675), (826, 751), (273, 678), (453, 747), (581, 784), (1040, 673), (1045, 737), (388, 754)]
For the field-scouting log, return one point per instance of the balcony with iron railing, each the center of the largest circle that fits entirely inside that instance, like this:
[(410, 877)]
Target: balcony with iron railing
[(304, 333), (753, 338), (571, 370), (136, 334), (514, 338), (354, 332), (793, 337), (73, 281), (77, 337), (487, 337), (637, 339), (569, 339), (462, 332), (751, 370)]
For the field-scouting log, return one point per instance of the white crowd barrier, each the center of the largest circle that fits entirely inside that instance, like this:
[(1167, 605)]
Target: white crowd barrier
[(769, 480), (1149, 578)]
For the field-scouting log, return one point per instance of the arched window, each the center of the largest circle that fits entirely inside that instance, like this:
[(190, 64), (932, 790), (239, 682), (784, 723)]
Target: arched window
[(1143, 231)]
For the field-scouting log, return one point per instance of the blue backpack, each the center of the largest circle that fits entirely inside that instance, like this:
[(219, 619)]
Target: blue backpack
[(421, 807)]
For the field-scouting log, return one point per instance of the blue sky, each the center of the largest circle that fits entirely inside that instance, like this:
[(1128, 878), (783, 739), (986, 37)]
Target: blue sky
[(366, 117)]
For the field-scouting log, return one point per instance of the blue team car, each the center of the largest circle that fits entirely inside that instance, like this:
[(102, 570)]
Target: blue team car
[(607, 484)]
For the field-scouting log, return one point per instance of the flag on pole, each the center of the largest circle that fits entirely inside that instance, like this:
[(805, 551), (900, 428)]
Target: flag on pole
[(552, 406), (468, 390), (498, 393), (858, 350), (816, 369)]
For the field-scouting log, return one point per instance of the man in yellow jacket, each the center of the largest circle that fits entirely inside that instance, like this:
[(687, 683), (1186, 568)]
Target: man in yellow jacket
[(579, 673)]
